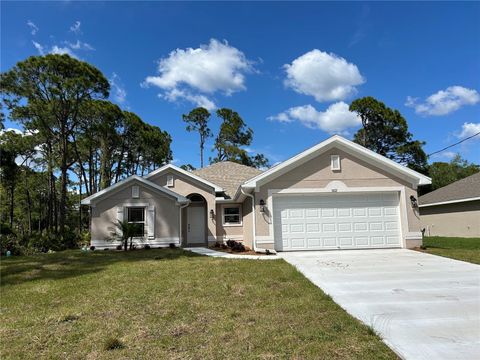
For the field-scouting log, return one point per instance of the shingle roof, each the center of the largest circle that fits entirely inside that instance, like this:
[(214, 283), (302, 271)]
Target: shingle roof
[(466, 188), (228, 175)]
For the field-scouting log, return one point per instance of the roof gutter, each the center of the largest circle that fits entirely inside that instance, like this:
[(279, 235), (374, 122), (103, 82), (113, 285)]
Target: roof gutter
[(450, 202)]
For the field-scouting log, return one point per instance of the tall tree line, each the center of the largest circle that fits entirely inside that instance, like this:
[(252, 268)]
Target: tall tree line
[(70, 128)]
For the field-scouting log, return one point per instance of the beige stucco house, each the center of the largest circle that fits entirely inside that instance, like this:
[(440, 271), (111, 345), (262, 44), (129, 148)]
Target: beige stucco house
[(335, 195), (453, 210)]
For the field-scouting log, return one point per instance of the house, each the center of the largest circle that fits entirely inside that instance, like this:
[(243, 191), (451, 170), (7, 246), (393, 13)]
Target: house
[(335, 195), (453, 210)]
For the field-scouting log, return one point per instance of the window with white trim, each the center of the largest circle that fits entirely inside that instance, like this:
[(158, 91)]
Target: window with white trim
[(170, 180), (136, 215), (335, 162), (232, 215)]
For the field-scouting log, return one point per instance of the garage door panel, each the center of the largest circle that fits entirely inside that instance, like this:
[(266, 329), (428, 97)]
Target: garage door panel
[(345, 221)]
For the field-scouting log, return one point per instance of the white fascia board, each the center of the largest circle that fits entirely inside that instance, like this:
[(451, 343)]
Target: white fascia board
[(450, 202), (186, 173), (349, 146), (88, 200)]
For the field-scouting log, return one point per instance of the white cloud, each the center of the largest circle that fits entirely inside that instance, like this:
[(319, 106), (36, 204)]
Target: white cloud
[(39, 48), (75, 28), (445, 101), (34, 28), (197, 99), (448, 155), (79, 45), (469, 129), (119, 93), (192, 73), (335, 120), (62, 50), (326, 77)]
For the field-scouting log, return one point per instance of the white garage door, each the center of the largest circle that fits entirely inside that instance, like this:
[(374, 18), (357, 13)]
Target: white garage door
[(336, 221)]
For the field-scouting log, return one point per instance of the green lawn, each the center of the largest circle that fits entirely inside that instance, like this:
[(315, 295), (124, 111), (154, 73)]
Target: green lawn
[(171, 304), (465, 249)]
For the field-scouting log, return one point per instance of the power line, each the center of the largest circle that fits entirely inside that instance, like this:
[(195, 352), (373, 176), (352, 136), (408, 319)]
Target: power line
[(449, 146)]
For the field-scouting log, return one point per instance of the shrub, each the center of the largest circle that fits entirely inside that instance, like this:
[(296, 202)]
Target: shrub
[(172, 246), (119, 247), (224, 246), (105, 249), (238, 247), (147, 247), (217, 244), (10, 243), (92, 248), (112, 343), (235, 245)]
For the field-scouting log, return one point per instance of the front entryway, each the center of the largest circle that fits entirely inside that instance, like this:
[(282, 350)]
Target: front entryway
[(196, 221)]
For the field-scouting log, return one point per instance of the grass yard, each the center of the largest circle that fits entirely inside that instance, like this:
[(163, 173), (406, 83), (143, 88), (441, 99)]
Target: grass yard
[(171, 304), (465, 249)]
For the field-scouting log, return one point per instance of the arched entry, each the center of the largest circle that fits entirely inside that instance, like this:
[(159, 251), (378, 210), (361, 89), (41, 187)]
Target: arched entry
[(196, 221)]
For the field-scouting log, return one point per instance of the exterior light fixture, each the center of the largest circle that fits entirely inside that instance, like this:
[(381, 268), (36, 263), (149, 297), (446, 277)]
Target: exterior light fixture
[(414, 202), (262, 206), (212, 214)]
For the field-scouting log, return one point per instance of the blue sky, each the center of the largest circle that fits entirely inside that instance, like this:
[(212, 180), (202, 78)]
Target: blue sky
[(289, 69)]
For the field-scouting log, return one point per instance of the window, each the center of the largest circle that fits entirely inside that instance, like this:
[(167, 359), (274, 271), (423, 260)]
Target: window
[(170, 180), (136, 215), (335, 162), (232, 215)]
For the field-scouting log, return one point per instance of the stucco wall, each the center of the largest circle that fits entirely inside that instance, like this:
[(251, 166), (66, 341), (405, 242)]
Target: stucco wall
[(243, 232), (104, 215), (460, 219), (316, 173), (186, 186)]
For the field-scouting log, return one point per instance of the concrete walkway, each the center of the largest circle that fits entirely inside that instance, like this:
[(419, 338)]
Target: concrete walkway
[(423, 306), (224, 255)]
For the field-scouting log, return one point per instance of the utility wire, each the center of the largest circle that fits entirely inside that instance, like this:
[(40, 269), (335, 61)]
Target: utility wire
[(449, 146)]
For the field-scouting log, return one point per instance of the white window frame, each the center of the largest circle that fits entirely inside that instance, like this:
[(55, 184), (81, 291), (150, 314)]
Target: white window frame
[(239, 207), (170, 181), (335, 159), (144, 222)]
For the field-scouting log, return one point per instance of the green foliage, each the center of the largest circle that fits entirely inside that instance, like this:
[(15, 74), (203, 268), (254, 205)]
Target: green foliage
[(188, 167), (385, 131), (125, 232), (197, 120), (234, 134), (69, 128), (443, 173)]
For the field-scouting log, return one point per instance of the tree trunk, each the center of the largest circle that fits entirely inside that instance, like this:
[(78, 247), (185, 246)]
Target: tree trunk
[(12, 203), (29, 207), (63, 184)]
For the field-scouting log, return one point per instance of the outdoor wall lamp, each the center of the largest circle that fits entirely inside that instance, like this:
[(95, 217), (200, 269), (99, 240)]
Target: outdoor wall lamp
[(262, 206), (212, 214), (413, 201)]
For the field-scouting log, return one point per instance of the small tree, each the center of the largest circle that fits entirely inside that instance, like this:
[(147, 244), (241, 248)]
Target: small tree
[(125, 233)]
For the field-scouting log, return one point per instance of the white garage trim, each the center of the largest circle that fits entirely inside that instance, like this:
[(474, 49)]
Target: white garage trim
[(339, 187)]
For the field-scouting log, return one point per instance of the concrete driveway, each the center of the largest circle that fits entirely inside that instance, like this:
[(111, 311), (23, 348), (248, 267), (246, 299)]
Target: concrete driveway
[(423, 306)]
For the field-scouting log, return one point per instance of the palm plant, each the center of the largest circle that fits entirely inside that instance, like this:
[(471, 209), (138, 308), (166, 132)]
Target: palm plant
[(126, 231)]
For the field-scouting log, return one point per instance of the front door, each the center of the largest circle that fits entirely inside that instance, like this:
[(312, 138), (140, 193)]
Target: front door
[(195, 225)]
